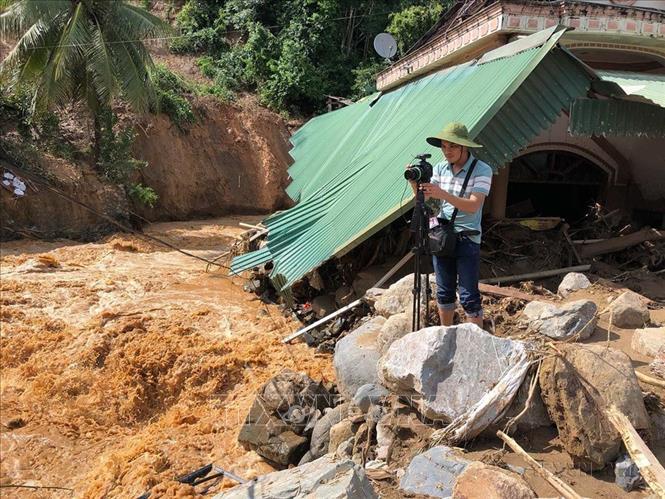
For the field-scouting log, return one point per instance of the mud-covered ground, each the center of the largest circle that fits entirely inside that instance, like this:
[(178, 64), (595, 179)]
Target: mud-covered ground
[(125, 364)]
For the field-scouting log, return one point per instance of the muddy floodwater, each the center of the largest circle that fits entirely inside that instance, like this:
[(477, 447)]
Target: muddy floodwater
[(126, 364)]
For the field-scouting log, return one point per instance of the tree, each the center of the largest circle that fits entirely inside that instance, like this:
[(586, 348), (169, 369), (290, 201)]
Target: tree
[(88, 51)]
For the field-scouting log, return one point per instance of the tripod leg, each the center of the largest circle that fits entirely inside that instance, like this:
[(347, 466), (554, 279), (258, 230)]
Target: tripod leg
[(415, 323), (428, 297)]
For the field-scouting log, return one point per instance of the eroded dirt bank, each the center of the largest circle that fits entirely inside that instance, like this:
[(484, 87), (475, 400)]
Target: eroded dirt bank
[(124, 365), (232, 160)]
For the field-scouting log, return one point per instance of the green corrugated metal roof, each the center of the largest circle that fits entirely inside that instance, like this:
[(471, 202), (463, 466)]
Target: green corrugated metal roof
[(650, 86), (612, 117), (348, 165)]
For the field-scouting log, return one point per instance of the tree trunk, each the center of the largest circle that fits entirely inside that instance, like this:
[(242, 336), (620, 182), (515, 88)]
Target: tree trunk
[(97, 144)]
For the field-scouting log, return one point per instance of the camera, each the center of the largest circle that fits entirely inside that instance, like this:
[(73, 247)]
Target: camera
[(421, 172)]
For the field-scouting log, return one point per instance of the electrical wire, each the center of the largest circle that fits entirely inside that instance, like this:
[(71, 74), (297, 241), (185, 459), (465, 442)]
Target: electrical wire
[(176, 37), (122, 226)]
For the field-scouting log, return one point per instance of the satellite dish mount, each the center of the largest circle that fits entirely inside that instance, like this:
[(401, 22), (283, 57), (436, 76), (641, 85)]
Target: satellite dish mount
[(385, 45)]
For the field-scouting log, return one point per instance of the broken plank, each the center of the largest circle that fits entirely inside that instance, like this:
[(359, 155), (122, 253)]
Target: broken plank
[(650, 469), (488, 289), (535, 275), (618, 243), (645, 378), (560, 486)]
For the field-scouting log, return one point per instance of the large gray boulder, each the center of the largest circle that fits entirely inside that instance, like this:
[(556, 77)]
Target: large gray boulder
[(280, 419), (573, 281), (433, 473), (574, 318), (629, 310), (356, 356), (445, 370), (395, 327), (325, 477), (649, 341), (575, 389)]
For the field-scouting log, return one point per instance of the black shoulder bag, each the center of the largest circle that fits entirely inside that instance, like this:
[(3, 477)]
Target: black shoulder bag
[(442, 238)]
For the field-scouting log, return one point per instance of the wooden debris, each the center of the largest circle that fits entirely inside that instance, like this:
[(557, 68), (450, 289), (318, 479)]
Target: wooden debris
[(488, 289), (652, 471), (561, 487), (536, 275), (618, 243), (649, 379), (351, 305)]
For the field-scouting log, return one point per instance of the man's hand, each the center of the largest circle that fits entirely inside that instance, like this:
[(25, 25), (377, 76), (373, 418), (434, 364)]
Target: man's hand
[(434, 191)]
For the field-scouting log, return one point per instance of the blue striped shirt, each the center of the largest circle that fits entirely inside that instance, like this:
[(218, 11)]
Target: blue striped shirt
[(480, 181)]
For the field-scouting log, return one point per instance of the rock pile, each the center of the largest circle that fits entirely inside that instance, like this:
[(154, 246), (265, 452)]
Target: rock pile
[(391, 380), (283, 416)]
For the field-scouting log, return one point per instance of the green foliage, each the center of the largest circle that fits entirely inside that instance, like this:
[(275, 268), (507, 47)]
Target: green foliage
[(411, 23), (170, 91), (71, 51), (33, 126), (365, 79), (142, 194), (297, 52), (117, 161)]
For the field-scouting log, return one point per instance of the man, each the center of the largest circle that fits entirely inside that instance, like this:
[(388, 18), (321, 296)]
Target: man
[(445, 186)]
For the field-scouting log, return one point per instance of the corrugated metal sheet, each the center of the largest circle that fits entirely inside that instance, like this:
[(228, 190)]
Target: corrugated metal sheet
[(613, 117), (348, 165), (650, 86)]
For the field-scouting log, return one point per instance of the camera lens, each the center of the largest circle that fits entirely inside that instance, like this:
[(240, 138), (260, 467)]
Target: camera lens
[(412, 174)]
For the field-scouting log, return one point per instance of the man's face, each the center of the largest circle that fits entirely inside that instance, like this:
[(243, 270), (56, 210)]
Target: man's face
[(452, 152)]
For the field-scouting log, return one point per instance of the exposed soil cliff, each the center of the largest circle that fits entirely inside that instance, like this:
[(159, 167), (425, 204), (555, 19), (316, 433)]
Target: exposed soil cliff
[(232, 160)]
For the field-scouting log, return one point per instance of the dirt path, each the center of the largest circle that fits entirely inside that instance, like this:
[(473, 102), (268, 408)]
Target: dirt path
[(124, 365)]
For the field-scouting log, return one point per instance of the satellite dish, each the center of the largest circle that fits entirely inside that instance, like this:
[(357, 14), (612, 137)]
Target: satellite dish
[(385, 45)]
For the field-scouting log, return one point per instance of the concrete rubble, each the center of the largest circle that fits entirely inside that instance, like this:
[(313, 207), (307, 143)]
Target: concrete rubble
[(325, 477), (562, 322)]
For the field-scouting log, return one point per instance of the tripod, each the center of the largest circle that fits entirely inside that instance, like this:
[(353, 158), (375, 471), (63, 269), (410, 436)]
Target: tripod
[(420, 229)]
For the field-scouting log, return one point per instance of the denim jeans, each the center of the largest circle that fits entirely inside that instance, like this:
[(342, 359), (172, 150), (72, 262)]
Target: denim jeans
[(464, 264)]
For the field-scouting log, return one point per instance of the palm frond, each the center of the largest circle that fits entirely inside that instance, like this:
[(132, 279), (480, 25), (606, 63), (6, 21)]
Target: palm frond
[(132, 76), (19, 15), (136, 23), (101, 67), (73, 43)]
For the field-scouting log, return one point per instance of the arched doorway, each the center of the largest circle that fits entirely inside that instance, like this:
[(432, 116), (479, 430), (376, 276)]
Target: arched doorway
[(554, 183)]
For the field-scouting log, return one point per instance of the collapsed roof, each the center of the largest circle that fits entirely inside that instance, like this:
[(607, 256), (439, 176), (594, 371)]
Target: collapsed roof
[(347, 178)]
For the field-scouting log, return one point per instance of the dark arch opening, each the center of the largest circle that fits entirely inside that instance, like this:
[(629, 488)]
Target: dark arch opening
[(554, 183)]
